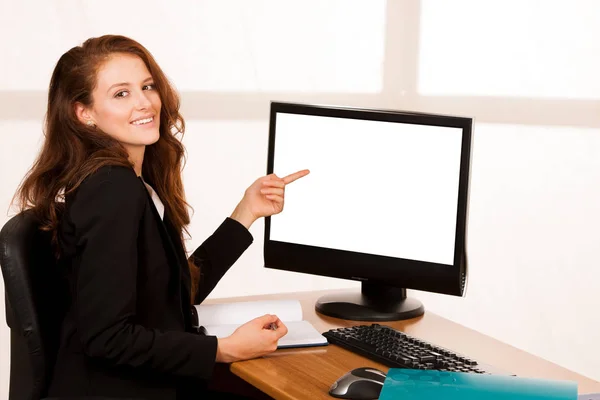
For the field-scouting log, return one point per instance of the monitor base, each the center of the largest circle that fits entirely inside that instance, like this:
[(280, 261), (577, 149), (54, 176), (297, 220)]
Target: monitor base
[(374, 303)]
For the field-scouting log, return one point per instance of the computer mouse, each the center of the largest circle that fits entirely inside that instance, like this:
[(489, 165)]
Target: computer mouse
[(359, 384)]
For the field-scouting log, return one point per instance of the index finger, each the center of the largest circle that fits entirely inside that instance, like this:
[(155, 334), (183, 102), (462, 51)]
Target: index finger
[(296, 175)]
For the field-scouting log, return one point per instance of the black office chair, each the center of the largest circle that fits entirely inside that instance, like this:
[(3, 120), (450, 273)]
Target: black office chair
[(35, 299)]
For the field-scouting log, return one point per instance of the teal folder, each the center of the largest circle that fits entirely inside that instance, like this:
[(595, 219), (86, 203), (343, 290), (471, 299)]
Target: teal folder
[(409, 384)]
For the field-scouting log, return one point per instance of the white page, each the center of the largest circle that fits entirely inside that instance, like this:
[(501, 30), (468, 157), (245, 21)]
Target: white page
[(300, 333), (241, 312)]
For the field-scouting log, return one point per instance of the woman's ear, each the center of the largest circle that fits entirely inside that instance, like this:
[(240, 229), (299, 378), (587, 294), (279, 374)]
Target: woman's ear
[(83, 115)]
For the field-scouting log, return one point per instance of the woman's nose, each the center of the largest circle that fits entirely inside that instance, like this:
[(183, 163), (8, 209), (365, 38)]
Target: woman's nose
[(143, 101)]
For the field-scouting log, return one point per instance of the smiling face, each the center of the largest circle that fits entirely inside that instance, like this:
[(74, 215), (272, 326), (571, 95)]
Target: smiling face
[(126, 104)]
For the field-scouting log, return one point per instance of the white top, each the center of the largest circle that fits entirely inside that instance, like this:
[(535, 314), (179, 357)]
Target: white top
[(157, 203)]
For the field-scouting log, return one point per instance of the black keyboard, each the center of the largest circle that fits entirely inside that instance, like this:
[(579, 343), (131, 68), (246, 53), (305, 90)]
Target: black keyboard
[(399, 350)]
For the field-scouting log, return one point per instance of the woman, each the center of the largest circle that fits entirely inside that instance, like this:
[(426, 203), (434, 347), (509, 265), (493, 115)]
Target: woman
[(107, 183)]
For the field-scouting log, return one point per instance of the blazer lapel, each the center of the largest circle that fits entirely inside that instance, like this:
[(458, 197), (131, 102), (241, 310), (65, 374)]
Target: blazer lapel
[(174, 248), (175, 240)]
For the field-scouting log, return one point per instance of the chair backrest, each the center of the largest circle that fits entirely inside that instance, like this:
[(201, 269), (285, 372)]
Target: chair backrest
[(35, 297)]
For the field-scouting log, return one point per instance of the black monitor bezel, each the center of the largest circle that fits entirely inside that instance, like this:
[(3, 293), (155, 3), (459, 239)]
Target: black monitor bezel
[(405, 273)]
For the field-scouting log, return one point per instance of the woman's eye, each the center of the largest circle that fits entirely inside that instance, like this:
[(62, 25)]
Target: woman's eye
[(122, 93), (149, 87)]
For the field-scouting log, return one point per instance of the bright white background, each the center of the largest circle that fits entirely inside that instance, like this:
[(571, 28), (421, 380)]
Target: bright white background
[(526, 70)]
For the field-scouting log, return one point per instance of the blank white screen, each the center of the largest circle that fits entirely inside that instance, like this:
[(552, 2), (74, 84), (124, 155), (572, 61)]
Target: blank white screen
[(375, 187)]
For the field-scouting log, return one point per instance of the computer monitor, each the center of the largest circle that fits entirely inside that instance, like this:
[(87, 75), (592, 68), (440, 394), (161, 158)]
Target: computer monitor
[(385, 204)]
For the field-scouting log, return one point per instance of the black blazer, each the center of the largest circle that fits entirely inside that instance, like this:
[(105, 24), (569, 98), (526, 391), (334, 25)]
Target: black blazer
[(128, 328)]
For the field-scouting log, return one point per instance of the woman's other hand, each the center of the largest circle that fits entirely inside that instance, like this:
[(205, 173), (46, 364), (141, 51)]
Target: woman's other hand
[(255, 338), (265, 197)]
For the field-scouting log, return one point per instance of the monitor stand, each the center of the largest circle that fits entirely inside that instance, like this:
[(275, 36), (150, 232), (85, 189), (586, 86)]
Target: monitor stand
[(375, 303)]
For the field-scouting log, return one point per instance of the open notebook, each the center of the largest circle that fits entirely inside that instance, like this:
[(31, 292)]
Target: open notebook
[(221, 320)]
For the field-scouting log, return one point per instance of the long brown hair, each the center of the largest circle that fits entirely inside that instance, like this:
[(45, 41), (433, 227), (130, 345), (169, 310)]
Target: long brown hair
[(72, 150)]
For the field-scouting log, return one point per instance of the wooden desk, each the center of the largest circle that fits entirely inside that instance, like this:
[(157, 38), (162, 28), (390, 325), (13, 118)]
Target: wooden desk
[(301, 374)]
